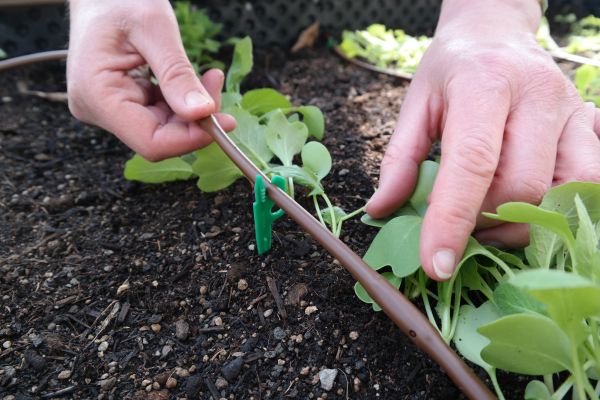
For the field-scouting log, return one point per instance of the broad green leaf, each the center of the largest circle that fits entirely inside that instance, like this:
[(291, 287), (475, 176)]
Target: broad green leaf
[(2, 54), (261, 101), (586, 246), (528, 344), (337, 212), (512, 300), (250, 136), (363, 296), (285, 139), (313, 118), (171, 169), (509, 258), (467, 340), (427, 172), (529, 214), (544, 245), (241, 65), (537, 390), (570, 298), (396, 245), (316, 159), (300, 177), (379, 223), (229, 100), (215, 170)]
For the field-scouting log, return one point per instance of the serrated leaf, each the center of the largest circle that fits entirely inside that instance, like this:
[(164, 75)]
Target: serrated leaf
[(337, 213), (171, 169), (313, 119), (285, 139), (262, 101), (528, 344), (363, 296), (241, 64), (512, 300), (250, 136), (316, 159), (216, 171)]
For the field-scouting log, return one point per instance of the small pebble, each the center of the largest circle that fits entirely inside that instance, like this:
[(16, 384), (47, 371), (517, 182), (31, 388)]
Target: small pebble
[(353, 335), (310, 310), (304, 371), (171, 383), (232, 369), (242, 284), (103, 346), (218, 321), (155, 328), (62, 375), (155, 385), (278, 333), (146, 382), (221, 383), (7, 344), (327, 378), (203, 290), (268, 313), (182, 329), (107, 384)]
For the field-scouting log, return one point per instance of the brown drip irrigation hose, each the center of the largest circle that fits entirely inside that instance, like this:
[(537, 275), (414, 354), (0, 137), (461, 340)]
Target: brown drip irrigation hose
[(400, 310)]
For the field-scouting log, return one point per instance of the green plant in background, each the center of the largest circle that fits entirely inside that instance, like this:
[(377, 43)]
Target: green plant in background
[(585, 35), (385, 48), (269, 128), (533, 312), (587, 81), (2, 54), (197, 34)]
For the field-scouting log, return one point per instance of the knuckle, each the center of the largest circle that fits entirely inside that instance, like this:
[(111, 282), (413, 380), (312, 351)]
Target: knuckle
[(530, 189), (591, 174), (176, 67), (461, 219), (476, 157)]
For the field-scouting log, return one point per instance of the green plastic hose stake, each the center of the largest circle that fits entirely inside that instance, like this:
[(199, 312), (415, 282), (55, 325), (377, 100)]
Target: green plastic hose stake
[(263, 212)]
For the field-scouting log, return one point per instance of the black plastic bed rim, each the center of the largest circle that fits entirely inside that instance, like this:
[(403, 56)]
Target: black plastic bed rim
[(28, 29)]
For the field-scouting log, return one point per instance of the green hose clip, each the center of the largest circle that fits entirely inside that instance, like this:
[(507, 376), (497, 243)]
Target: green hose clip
[(263, 212)]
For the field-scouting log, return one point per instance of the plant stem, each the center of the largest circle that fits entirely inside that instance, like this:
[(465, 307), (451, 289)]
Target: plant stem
[(563, 389), (318, 210), (291, 187), (346, 217), (331, 213), (492, 373), (549, 383), (577, 372), (428, 311)]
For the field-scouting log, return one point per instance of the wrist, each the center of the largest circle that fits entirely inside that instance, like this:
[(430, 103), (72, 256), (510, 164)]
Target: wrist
[(495, 17)]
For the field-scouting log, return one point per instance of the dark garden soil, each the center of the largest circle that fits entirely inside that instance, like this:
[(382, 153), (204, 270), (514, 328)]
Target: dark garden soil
[(109, 288)]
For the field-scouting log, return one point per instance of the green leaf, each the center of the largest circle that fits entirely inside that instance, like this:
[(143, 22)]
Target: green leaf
[(545, 245), (250, 136), (216, 171), (528, 344), (241, 65), (570, 298), (427, 172), (337, 213), (584, 76), (230, 100), (262, 101), (586, 245), (379, 223), (285, 139), (537, 390), (396, 245), (313, 118), (171, 169), (512, 300), (316, 159), (2, 54), (363, 296), (467, 340), (300, 176)]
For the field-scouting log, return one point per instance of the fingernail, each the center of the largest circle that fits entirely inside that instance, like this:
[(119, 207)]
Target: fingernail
[(195, 99), (443, 263)]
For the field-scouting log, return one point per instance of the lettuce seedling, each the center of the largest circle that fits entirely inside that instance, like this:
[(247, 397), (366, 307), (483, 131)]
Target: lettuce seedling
[(587, 82)]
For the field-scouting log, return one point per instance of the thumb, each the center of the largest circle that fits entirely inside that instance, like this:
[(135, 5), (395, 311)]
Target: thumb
[(159, 42)]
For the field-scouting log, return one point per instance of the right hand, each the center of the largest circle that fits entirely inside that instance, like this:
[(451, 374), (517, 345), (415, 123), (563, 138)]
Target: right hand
[(112, 39)]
